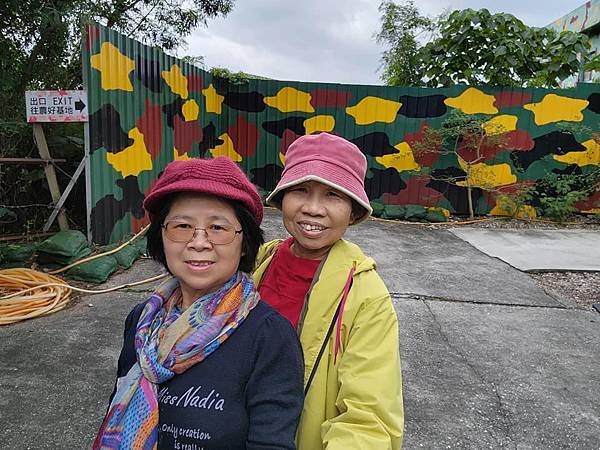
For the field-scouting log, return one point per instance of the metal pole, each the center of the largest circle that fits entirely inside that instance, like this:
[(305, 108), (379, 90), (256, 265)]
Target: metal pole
[(86, 134)]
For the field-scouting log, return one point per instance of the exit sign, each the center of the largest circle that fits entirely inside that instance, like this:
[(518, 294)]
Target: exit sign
[(56, 106)]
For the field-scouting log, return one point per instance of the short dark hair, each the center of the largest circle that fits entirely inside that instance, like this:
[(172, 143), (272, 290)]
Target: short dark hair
[(252, 234), (358, 210)]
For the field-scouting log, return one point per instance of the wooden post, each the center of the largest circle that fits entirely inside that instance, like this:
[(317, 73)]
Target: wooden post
[(65, 194), (42, 145)]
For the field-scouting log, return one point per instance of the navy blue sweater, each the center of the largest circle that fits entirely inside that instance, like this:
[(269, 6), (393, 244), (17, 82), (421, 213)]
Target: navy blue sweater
[(248, 394)]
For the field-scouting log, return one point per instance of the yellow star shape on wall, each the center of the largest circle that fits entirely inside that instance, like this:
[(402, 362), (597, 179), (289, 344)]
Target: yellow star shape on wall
[(114, 68)]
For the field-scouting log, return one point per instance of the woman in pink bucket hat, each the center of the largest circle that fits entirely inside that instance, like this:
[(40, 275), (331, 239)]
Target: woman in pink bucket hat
[(330, 291)]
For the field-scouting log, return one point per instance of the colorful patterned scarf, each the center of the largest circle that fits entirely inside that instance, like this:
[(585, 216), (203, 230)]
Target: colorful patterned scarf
[(168, 342)]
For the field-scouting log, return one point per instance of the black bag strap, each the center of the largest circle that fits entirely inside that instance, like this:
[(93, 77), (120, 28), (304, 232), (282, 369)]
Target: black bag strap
[(325, 341)]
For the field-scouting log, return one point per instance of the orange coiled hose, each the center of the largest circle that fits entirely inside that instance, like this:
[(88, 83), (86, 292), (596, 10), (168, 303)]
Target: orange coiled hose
[(27, 293)]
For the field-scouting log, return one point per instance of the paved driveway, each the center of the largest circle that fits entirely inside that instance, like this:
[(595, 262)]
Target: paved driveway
[(489, 360)]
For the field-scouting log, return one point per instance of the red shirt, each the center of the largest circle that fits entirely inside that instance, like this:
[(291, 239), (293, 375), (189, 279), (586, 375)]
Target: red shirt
[(286, 282)]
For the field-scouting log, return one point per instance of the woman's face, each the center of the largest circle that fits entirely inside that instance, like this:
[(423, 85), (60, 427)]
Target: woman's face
[(200, 266), (316, 215)]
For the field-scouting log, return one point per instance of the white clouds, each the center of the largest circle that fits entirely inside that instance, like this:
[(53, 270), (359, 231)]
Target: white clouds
[(533, 13), (325, 40)]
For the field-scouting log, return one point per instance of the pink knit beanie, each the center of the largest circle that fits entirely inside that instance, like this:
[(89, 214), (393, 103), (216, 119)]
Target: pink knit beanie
[(220, 177)]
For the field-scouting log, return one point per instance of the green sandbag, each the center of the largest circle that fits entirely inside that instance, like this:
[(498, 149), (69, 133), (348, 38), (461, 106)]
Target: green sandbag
[(415, 212), (434, 215), (13, 264), (393, 212), (106, 248), (49, 258), (377, 209), (140, 243), (20, 253), (95, 271), (64, 243), (127, 256)]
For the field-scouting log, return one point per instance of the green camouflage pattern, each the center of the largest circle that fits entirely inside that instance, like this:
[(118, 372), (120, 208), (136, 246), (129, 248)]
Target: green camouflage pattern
[(148, 108)]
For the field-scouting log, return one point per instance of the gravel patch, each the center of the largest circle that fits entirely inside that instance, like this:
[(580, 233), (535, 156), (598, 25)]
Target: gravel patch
[(583, 288), (576, 222)]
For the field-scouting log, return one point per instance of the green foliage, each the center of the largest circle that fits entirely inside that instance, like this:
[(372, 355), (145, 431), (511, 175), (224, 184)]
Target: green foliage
[(7, 216), (477, 47), (555, 195), (593, 64), (559, 204), (164, 23), (401, 24), (40, 40), (40, 48), (197, 61), (230, 77)]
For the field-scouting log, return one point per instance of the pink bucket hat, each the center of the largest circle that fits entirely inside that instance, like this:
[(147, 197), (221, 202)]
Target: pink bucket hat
[(328, 159), (220, 177)]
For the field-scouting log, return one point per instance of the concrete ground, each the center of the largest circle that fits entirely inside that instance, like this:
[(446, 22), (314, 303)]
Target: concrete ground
[(538, 250), (489, 360)]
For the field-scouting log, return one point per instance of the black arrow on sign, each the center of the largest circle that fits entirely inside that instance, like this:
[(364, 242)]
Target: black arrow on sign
[(79, 105)]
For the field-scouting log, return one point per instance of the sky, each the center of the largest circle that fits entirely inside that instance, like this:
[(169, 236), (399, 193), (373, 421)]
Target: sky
[(326, 40)]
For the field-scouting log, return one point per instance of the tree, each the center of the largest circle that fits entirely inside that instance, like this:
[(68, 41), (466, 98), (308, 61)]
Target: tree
[(556, 193), (39, 40), (477, 47), (593, 65), (464, 137), (401, 25), (40, 49)]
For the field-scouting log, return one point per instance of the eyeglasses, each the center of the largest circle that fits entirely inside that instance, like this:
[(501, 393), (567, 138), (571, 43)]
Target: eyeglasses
[(186, 232)]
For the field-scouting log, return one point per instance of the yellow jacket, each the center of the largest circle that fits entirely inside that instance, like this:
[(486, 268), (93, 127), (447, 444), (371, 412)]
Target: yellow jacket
[(356, 401)]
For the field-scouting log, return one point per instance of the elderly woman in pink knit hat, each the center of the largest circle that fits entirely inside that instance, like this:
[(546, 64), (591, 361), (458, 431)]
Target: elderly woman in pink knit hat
[(205, 363), (331, 293)]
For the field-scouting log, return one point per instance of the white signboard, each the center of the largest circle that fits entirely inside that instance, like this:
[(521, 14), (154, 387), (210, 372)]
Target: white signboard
[(56, 106)]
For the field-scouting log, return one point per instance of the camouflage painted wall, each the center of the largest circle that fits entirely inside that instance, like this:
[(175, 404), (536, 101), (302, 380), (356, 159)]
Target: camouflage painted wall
[(147, 109)]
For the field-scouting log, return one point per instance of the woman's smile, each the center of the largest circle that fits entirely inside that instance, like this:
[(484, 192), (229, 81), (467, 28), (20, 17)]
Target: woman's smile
[(311, 229), (199, 266)]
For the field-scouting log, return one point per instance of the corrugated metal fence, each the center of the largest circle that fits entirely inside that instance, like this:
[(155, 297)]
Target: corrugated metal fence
[(148, 108)]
